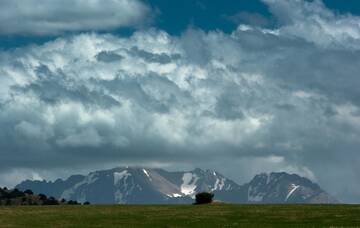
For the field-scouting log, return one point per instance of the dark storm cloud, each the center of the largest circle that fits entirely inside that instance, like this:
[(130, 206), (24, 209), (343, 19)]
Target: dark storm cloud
[(151, 57), (108, 56), (55, 87), (256, 100)]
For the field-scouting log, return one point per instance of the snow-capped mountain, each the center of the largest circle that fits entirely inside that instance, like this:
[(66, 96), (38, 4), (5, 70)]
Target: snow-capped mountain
[(153, 186), (285, 188)]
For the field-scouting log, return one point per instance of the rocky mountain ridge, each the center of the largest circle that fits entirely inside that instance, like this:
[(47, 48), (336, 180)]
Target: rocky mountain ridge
[(135, 185)]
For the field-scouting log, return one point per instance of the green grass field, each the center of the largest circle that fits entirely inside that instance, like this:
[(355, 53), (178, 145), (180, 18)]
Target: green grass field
[(216, 215)]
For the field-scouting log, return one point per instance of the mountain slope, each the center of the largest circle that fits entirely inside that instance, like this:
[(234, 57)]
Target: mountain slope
[(285, 188), (158, 186)]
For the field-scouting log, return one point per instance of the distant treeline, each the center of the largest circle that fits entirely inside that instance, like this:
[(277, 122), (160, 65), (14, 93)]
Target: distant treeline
[(9, 197)]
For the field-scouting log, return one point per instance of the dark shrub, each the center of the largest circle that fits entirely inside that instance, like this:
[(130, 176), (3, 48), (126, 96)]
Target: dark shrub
[(204, 198), (42, 197), (86, 203), (29, 192), (51, 201), (15, 193), (72, 202), (8, 202), (63, 200)]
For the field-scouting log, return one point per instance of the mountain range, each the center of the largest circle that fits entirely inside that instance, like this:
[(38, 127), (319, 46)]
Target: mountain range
[(134, 185)]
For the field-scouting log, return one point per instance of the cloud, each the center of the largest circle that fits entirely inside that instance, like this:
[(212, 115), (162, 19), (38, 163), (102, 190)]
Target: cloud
[(315, 23), (106, 56), (45, 17), (262, 100)]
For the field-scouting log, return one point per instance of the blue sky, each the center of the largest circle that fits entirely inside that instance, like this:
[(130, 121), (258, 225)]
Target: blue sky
[(255, 86), (175, 17)]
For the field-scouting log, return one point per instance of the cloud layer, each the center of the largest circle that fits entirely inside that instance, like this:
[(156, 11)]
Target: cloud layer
[(45, 17), (255, 100)]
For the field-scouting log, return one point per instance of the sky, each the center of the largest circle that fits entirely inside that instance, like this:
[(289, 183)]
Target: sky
[(241, 87)]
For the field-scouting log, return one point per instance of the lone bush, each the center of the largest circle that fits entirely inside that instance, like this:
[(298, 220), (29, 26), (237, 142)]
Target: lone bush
[(51, 201), (42, 197), (72, 202), (29, 192), (204, 198)]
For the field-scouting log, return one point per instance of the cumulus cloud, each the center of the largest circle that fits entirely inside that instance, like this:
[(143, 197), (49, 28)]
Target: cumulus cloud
[(263, 100), (46, 17), (313, 22)]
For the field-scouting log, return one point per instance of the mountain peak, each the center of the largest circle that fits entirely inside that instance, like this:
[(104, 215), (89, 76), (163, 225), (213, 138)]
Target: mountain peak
[(140, 185), (198, 170), (282, 187)]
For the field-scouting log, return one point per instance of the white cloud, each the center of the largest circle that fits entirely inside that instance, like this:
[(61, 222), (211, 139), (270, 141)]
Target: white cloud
[(11, 177), (313, 22), (262, 100), (46, 17)]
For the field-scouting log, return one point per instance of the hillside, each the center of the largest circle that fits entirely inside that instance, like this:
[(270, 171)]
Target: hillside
[(220, 215), (15, 197)]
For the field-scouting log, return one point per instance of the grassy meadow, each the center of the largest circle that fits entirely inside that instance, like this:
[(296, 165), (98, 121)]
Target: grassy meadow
[(215, 215)]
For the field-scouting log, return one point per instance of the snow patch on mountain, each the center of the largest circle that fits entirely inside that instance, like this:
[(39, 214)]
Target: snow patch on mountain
[(123, 187), (268, 178), (219, 184), (82, 197), (132, 185), (118, 176), (254, 196), (68, 193), (174, 195), (147, 174), (189, 183), (118, 196), (293, 188)]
